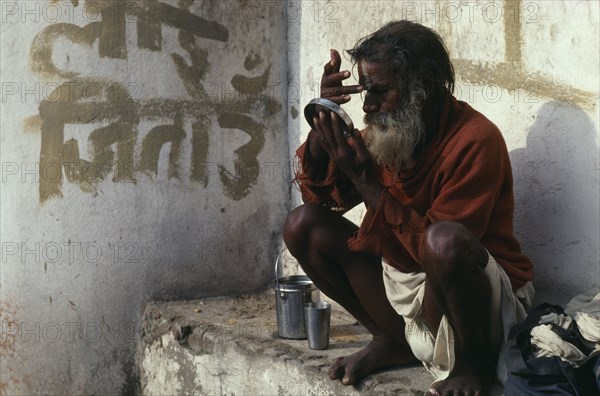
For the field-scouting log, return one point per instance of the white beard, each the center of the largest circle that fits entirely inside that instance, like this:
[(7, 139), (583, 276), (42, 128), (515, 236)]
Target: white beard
[(391, 138)]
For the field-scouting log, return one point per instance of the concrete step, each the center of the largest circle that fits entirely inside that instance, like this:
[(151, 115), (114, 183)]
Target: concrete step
[(229, 346)]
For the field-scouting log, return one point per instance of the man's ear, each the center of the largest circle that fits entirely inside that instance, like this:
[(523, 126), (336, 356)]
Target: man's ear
[(428, 82)]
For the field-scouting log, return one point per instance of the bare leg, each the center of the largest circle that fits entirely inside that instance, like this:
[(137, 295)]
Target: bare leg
[(457, 286), (318, 238)]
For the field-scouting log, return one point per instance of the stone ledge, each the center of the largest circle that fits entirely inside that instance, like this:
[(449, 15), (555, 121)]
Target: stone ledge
[(229, 346)]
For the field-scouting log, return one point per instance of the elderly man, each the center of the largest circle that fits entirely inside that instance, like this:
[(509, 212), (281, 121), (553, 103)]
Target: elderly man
[(434, 271)]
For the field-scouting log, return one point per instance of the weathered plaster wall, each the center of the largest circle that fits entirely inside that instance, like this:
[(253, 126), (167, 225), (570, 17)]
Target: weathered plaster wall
[(144, 154), (142, 151), (532, 68)]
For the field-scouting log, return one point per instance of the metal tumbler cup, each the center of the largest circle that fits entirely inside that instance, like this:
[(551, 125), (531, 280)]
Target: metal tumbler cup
[(317, 316)]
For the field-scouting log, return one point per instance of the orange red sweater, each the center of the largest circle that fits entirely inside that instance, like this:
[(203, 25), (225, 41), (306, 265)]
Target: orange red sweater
[(464, 175)]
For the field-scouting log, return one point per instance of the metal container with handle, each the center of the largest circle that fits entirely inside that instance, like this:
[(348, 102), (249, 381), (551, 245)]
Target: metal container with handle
[(291, 293)]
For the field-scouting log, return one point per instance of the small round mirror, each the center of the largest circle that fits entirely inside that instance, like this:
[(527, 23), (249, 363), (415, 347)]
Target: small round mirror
[(320, 104)]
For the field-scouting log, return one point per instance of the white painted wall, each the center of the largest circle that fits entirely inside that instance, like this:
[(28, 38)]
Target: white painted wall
[(79, 263), (532, 68)]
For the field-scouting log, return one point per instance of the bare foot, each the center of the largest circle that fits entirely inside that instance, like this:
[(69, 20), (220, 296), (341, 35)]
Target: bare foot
[(379, 354), (469, 380)]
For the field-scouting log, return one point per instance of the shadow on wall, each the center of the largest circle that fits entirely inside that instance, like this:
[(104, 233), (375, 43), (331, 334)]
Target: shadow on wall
[(557, 201)]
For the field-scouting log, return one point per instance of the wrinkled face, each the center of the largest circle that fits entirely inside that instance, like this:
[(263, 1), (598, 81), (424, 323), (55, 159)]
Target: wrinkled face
[(394, 123), (381, 88)]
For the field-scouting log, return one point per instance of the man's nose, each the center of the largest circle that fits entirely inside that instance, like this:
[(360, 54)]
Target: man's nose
[(371, 105)]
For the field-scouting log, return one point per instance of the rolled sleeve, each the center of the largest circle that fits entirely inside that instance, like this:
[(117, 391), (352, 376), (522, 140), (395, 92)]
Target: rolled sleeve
[(334, 190)]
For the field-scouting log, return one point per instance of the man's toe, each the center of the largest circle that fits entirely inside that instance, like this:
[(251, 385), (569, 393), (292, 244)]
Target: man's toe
[(348, 379), (336, 371)]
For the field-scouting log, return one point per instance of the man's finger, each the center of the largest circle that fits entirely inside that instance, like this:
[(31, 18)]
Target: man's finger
[(335, 61), (341, 99), (333, 83), (324, 124), (362, 153), (334, 79), (322, 132), (337, 131), (334, 90), (335, 57), (322, 139)]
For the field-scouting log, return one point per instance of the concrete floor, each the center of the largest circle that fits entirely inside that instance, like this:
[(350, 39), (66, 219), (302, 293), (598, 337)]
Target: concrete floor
[(230, 345)]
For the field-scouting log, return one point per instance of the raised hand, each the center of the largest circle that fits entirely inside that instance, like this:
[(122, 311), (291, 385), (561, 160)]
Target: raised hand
[(332, 89), (331, 82)]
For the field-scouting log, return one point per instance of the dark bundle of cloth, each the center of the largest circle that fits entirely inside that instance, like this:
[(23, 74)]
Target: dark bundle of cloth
[(554, 352)]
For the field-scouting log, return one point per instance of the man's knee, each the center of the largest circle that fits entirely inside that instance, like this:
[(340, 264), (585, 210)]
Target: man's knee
[(298, 225), (449, 246)]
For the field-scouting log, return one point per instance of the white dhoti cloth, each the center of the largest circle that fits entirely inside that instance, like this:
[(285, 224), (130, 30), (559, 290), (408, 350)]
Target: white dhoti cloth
[(405, 292)]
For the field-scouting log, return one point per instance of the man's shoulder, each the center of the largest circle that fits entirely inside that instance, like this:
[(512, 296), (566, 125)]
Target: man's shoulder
[(474, 136), (474, 127)]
